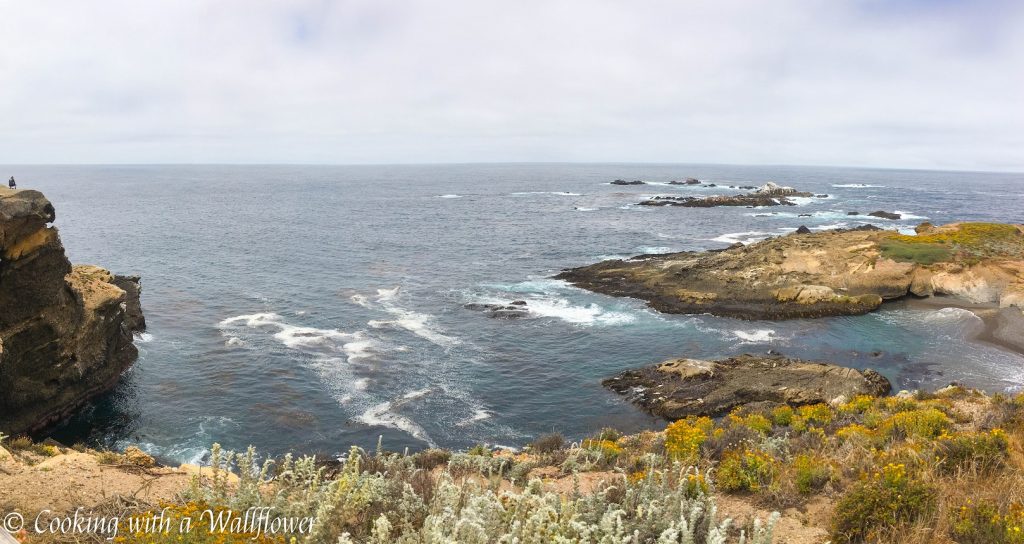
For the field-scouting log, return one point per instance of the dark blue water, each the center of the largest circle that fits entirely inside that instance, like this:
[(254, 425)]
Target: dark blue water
[(310, 308)]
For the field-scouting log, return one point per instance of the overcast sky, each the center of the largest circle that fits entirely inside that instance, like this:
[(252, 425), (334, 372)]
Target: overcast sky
[(919, 84)]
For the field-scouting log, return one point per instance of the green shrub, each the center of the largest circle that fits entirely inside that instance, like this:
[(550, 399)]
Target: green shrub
[(880, 503), (548, 443), (923, 423), (960, 451), (925, 254), (984, 523), (782, 415), (745, 470), (810, 473)]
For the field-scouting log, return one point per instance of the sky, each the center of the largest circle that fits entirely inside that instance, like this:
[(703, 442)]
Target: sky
[(935, 84)]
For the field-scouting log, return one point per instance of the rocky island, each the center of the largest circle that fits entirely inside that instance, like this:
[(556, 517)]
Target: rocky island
[(843, 272), (66, 331), (769, 194)]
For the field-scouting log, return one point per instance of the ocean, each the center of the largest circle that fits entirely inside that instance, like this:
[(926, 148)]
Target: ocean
[(309, 308)]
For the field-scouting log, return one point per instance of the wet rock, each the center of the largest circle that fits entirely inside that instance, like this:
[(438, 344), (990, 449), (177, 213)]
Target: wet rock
[(750, 201), (691, 387), (624, 182), (688, 181), (513, 310), (803, 230), (885, 215)]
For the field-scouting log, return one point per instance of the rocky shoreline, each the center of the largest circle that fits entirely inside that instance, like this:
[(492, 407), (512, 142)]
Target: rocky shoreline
[(844, 272), (679, 388), (66, 331)]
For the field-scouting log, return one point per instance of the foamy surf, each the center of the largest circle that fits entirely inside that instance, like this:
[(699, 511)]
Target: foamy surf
[(143, 337), (758, 336), (384, 415), (856, 185), (449, 196), (744, 238)]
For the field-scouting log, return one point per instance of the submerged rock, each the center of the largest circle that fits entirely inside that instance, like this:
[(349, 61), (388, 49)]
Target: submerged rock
[(65, 331), (691, 387), (512, 310)]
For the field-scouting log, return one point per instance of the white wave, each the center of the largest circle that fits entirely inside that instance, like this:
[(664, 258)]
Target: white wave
[(361, 384), (742, 237), (360, 300), (307, 339), (479, 415), (832, 226), (420, 324), (590, 314), (655, 249), (612, 257), (387, 295), (384, 415), (584, 209), (856, 185), (908, 215), (416, 323), (758, 336), (360, 348), (952, 315), (449, 196), (143, 337), (233, 341)]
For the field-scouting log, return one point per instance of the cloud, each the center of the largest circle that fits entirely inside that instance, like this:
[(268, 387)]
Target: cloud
[(902, 84)]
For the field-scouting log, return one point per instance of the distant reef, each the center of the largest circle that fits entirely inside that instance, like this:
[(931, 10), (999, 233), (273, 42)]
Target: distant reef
[(66, 331), (808, 274)]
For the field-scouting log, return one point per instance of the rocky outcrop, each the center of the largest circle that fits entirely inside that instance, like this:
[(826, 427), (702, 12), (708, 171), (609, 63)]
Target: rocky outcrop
[(823, 273), (750, 201), (512, 310), (687, 181), (885, 215), (65, 331), (624, 182), (769, 194), (690, 387)]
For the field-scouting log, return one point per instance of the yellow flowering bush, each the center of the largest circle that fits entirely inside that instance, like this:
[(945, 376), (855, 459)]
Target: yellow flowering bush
[(983, 523), (746, 470), (880, 501), (683, 438), (983, 450), (923, 423)]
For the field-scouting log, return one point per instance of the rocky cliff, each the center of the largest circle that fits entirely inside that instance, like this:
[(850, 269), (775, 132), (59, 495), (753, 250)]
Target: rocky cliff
[(65, 331)]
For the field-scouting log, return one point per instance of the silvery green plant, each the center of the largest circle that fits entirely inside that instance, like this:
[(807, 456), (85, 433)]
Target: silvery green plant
[(385, 498)]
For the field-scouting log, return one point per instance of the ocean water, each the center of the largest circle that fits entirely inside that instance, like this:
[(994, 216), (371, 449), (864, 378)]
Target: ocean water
[(306, 308)]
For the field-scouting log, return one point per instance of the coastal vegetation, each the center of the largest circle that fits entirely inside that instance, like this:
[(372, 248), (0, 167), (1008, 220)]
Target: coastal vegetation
[(924, 467)]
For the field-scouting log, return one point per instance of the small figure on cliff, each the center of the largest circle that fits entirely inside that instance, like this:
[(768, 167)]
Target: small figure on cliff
[(11, 183)]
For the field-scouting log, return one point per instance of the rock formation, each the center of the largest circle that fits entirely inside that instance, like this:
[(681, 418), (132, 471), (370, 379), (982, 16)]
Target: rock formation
[(624, 182), (690, 387), (815, 274), (768, 194), (65, 331)]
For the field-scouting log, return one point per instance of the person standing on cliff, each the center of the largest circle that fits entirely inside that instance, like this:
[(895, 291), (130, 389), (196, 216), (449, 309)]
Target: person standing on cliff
[(11, 183)]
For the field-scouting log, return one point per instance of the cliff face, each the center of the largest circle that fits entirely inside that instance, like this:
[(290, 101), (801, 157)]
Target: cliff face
[(65, 331)]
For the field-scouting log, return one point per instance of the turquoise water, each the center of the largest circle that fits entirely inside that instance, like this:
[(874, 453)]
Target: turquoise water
[(310, 308)]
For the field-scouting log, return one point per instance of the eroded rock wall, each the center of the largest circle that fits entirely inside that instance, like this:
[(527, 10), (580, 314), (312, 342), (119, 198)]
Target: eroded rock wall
[(65, 331)]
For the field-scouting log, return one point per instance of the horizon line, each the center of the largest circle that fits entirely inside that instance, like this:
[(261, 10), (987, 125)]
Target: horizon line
[(500, 163)]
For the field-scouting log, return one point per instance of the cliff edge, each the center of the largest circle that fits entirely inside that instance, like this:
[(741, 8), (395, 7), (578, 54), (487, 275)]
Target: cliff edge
[(65, 331)]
